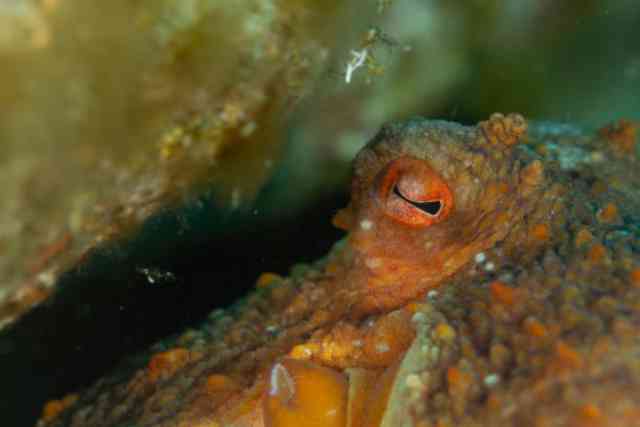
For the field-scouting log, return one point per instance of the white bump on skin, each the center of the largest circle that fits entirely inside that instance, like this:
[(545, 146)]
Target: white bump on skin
[(248, 129), (432, 294), (414, 381), (373, 263), (419, 317), (366, 224), (47, 278), (382, 347), (491, 380), (489, 266), (480, 258)]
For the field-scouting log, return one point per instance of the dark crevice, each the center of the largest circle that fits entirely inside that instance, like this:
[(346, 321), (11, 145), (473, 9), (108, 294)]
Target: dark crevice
[(127, 295)]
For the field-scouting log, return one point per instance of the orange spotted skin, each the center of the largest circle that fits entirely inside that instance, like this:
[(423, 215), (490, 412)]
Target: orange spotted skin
[(480, 262)]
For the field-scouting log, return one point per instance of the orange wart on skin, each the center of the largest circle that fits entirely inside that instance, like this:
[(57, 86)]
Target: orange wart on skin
[(608, 213), (597, 253), (583, 237), (266, 279), (635, 277), (168, 362), (534, 328), (503, 293), (541, 232)]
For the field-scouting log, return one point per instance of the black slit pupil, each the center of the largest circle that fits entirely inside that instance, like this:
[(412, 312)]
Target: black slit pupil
[(430, 207)]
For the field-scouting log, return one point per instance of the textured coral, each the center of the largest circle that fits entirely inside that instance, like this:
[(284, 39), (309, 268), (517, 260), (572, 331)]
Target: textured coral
[(489, 277), (154, 94)]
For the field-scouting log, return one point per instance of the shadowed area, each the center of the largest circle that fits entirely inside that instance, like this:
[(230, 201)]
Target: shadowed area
[(127, 295)]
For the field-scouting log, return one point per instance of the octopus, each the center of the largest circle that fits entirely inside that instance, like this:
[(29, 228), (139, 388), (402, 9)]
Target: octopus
[(490, 276)]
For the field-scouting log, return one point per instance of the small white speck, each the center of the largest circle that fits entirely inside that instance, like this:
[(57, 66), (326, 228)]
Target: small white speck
[(154, 275), (271, 328), (366, 224), (489, 266), (418, 317), (480, 258), (248, 129), (150, 278), (47, 278), (382, 347), (413, 381), (491, 380), (433, 294), (373, 262), (306, 352), (357, 343), (357, 61)]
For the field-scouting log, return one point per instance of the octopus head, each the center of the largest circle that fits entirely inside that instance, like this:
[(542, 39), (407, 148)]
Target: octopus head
[(426, 197)]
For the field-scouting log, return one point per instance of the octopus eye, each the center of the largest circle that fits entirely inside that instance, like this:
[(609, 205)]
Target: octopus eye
[(412, 193), (430, 208)]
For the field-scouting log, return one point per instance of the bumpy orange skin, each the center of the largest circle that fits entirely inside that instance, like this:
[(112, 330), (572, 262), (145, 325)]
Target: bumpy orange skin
[(400, 252)]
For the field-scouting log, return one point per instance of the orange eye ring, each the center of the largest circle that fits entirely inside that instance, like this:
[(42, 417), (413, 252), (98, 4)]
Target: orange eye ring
[(412, 193)]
